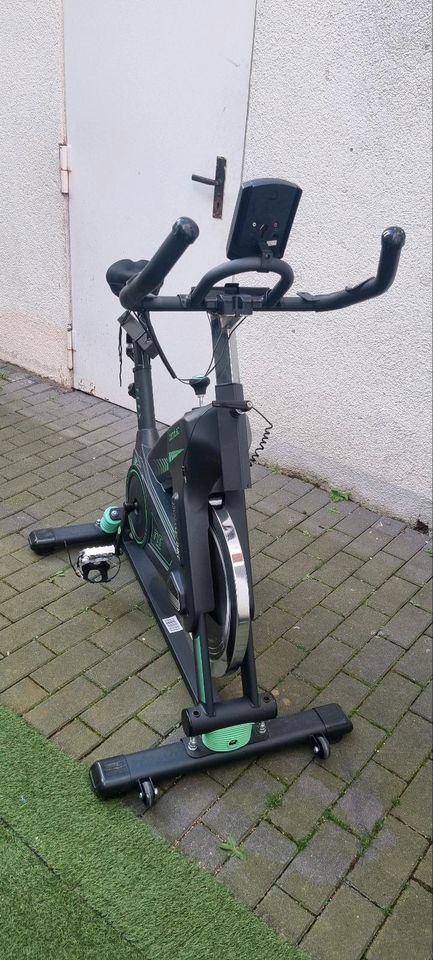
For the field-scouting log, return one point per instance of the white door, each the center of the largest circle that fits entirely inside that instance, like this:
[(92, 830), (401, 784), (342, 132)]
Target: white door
[(155, 91)]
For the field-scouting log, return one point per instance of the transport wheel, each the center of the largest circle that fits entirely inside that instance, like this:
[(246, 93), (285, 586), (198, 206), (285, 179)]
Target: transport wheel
[(321, 748), (148, 792)]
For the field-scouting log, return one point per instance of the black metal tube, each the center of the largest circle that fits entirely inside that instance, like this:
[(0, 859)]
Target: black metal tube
[(144, 390), (196, 720), (182, 234), (54, 538), (204, 676), (393, 240), (249, 673), (244, 265)]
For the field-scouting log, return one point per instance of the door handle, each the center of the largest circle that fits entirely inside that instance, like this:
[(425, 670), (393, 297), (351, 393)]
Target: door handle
[(217, 183)]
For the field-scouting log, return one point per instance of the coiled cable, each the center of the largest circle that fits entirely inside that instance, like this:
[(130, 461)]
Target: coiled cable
[(265, 437)]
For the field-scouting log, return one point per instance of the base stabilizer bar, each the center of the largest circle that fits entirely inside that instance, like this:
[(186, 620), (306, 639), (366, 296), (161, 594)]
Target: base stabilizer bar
[(118, 775), (55, 538)]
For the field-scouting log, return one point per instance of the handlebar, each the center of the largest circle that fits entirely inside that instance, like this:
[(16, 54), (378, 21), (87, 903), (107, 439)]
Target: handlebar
[(182, 234), (244, 265), (206, 296), (393, 240)]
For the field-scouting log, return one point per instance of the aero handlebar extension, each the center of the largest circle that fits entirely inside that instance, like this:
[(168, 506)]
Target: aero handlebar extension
[(135, 294), (182, 233)]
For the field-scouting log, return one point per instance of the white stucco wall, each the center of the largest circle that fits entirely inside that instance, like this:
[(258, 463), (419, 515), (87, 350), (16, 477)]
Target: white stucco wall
[(340, 104), (34, 286)]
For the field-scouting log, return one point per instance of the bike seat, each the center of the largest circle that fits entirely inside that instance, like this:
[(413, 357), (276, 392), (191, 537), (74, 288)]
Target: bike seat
[(122, 271)]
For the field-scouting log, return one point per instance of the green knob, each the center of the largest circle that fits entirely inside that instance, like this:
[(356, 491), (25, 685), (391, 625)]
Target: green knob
[(110, 520)]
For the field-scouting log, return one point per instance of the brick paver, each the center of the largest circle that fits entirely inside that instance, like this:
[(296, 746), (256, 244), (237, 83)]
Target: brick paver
[(424, 703), (315, 872), (369, 798), (53, 713), (336, 854), (407, 747), (374, 660), (305, 801), (345, 927), (284, 914), (388, 862), (391, 595), (415, 807), (408, 931), (267, 852), (417, 662), (424, 871), (389, 700), (202, 846), (407, 625)]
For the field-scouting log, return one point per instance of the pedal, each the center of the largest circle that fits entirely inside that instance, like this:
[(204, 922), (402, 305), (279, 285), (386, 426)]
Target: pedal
[(94, 563)]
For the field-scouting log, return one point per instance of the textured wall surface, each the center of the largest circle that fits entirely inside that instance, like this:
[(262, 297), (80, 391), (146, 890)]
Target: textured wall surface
[(34, 286), (340, 104)]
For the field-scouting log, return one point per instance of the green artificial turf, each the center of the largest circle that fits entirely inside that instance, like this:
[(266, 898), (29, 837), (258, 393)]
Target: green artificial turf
[(83, 878), (41, 917)]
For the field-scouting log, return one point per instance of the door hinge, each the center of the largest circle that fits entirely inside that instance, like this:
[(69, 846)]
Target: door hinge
[(65, 166), (70, 345)]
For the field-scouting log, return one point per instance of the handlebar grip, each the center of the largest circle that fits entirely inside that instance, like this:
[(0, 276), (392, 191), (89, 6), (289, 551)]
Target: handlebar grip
[(393, 240), (183, 232)]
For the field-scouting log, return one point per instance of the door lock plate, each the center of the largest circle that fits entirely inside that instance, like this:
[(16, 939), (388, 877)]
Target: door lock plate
[(217, 183)]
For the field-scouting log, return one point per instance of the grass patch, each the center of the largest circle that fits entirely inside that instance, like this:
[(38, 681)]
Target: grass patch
[(339, 495), (98, 882), (60, 573), (333, 818), (367, 838), (274, 800), (231, 847)]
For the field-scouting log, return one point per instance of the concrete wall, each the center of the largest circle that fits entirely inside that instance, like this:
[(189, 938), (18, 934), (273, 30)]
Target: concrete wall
[(340, 104), (34, 285)]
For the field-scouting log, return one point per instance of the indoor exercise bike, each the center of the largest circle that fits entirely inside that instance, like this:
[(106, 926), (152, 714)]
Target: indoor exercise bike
[(183, 524)]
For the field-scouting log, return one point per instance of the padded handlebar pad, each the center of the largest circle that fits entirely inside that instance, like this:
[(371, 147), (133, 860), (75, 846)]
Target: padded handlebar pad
[(183, 232)]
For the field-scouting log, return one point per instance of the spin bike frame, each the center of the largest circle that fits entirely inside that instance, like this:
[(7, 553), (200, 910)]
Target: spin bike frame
[(317, 726)]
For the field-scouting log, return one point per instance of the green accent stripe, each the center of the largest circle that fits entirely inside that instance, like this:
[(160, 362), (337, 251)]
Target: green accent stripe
[(172, 454), (199, 665), (161, 464)]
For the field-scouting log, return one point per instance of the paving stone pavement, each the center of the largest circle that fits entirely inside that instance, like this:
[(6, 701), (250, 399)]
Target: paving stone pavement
[(337, 854)]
